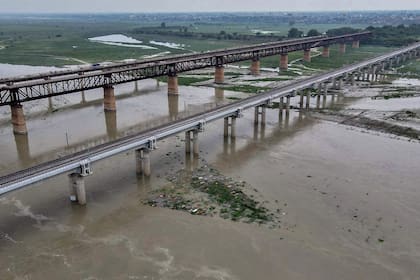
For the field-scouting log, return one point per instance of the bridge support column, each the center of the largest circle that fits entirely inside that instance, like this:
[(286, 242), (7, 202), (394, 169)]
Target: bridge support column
[(326, 51), (255, 67), (193, 140), (284, 62), (301, 94), (109, 99), (318, 101), (339, 84), (77, 188), (196, 150), (307, 55), (232, 125), (18, 119), (308, 99), (219, 76), (342, 48), (288, 104), (173, 84), (356, 44), (143, 162), (260, 110)]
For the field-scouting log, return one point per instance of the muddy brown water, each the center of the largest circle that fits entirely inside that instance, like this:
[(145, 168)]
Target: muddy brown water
[(348, 199)]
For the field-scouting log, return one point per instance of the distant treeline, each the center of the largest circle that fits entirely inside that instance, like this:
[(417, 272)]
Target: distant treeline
[(186, 32), (384, 36), (389, 36)]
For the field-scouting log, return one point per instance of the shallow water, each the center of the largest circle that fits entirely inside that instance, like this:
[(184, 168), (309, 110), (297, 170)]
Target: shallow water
[(349, 201)]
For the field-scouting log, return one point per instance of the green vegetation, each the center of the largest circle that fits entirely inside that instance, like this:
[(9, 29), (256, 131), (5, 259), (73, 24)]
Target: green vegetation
[(351, 56), (185, 81), (247, 88), (207, 192), (394, 35)]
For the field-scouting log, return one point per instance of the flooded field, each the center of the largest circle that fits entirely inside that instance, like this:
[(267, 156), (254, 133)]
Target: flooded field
[(346, 197)]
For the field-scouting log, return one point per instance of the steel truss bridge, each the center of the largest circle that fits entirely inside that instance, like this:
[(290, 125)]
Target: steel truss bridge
[(31, 87)]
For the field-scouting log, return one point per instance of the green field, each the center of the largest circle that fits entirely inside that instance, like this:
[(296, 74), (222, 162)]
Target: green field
[(61, 42)]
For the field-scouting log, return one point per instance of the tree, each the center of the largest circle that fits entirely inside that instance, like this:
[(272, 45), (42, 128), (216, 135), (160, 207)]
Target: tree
[(163, 25), (294, 33), (313, 32)]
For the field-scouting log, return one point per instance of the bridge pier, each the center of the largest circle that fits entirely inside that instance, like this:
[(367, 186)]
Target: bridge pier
[(77, 188), (284, 62), (109, 98), (232, 125), (219, 94), (18, 119), (308, 99), (173, 106), (307, 55), (111, 124), (342, 48), (301, 96), (356, 44), (260, 110), (143, 162), (219, 76), (173, 84), (326, 51), (255, 67), (194, 140)]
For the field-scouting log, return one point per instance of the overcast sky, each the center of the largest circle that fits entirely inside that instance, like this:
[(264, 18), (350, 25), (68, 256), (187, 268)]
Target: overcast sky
[(69, 6)]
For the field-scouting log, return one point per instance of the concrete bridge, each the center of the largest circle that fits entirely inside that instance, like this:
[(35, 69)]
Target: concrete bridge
[(79, 164), (15, 91)]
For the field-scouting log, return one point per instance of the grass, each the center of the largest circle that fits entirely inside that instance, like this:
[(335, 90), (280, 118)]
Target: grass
[(337, 60), (185, 81), (247, 88)]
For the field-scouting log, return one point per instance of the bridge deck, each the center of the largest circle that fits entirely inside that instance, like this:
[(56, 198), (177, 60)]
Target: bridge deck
[(72, 162)]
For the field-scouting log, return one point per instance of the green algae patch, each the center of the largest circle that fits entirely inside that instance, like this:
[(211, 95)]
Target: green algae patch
[(207, 192)]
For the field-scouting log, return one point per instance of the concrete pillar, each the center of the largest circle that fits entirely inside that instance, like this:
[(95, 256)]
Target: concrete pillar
[(256, 115), (284, 62), (173, 106), (301, 99), (318, 101), (136, 86), (356, 44), (111, 124), (219, 76), (77, 188), (326, 51), (146, 163), (109, 99), (83, 97), (263, 115), (22, 148), (196, 151), (340, 84), (226, 127), (308, 99), (342, 48), (352, 81), (219, 94), (288, 104), (18, 119), (188, 142), (255, 67), (233, 127), (139, 161), (307, 55), (173, 84)]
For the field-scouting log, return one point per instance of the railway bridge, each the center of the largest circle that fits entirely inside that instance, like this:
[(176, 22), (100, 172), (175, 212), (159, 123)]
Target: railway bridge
[(17, 90), (79, 165)]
